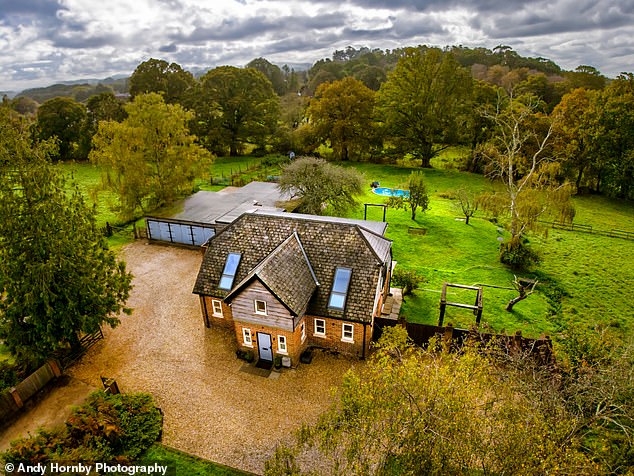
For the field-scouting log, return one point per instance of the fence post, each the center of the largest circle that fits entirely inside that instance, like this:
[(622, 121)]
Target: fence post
[(447, 337), (16, 398)]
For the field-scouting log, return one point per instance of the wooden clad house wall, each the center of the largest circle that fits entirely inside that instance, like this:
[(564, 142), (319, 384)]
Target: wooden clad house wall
[(243, 308)]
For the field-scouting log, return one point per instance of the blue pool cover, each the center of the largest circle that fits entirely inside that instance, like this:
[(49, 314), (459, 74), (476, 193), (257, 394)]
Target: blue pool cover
[(391, 192)]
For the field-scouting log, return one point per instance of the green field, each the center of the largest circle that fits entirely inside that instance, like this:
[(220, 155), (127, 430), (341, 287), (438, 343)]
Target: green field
[(591, 271), (584, 278)]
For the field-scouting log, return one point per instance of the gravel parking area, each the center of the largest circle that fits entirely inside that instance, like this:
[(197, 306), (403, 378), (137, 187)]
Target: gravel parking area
[(212, 409)]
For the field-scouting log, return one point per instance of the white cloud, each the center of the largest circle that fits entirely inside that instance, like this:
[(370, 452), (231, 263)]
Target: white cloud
[(44, 41)]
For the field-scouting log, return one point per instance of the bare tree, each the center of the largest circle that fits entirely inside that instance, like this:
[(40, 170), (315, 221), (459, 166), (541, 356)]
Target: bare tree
[(468, 203), (524, 287), (521, 158)]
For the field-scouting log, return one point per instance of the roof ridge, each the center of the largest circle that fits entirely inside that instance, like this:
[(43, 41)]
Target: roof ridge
[(363, 231)]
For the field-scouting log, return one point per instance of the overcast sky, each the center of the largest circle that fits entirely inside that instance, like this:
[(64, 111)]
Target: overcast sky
[(47, 41)]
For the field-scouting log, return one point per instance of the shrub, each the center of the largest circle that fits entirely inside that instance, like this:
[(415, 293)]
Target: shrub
[(407, 279), (518, 255), (8, 375), (106, 428)]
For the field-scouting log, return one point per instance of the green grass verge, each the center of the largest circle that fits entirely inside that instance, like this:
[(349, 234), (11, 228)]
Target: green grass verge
[(185, 464)]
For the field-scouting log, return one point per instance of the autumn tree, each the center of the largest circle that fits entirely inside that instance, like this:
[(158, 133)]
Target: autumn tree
[(521, 158), (159, 76), (415, 411), (342, 114), (321, 187), (63, 118), (150, 158), (57, 277), (577, 121), (235, 107), (424, 103)]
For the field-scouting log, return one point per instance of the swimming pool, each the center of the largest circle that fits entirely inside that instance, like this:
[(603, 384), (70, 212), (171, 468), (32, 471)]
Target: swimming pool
[(391, 192)]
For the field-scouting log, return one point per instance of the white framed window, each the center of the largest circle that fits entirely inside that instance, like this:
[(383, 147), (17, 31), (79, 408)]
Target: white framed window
[(260, 307), (216, 306), (246, 337), (339, 290), (320, 327), (347, 333), (302, 328), (281, 345)]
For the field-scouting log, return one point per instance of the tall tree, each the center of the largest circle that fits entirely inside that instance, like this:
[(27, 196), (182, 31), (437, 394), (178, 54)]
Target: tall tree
[(272, 72), (521, 157), (63, 118), (342, 113), (321, 187), (615, 139), (235, 107), (423, 102), (149, 158), (577, 120), (159, 76), (57, 277)]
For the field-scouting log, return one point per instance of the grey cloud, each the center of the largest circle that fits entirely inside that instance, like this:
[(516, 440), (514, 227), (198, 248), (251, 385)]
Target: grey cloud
[(28, 8), (171, 48), (254, 27)]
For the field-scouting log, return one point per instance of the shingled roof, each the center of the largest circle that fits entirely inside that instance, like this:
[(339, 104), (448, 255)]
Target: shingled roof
[(286, 273), (267, 242)]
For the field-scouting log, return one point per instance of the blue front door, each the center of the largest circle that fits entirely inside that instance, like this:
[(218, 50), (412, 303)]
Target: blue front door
[(264, 347)]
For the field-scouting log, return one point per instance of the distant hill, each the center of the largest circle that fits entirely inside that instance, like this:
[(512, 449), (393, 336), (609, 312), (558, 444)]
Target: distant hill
[(79, 90)]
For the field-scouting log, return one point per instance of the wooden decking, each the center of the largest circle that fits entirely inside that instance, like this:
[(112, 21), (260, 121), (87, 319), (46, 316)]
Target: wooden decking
[(392, 305)]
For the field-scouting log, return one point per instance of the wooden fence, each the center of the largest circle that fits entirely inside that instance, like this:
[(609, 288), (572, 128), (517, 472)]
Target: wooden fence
[(68, 357), (579, 227), (455, 338), (12, 400)]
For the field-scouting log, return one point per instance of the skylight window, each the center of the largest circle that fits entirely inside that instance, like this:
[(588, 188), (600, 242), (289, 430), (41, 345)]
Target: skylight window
[(340, 288), (229, 273)]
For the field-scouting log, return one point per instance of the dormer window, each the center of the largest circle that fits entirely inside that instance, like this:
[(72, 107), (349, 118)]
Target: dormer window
[(340, 288), (229, 273)]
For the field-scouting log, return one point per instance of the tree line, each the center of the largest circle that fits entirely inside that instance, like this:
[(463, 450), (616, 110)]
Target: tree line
[(378, 105)]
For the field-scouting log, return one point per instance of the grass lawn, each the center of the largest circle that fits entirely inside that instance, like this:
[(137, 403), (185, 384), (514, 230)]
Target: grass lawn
[(591, 269), (182, 463)]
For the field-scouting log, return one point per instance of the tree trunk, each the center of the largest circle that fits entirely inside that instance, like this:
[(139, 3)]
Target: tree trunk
[(467, 219), (514, 301)]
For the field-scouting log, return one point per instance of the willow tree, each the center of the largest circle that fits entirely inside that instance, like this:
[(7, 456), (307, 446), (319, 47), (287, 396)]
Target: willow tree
[(150, 158), (521, 159), (413, 411)]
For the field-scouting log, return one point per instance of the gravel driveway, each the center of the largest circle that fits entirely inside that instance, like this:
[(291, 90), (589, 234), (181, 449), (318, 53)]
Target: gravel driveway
[(212, 409)]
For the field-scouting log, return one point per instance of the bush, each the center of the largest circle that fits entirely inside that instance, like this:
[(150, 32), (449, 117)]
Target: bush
[(8, 375), (407, 279), (107, 428), (518, 255)]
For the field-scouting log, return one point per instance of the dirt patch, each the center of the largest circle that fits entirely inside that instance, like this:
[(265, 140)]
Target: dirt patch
[(212, 409), (49, 408)]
